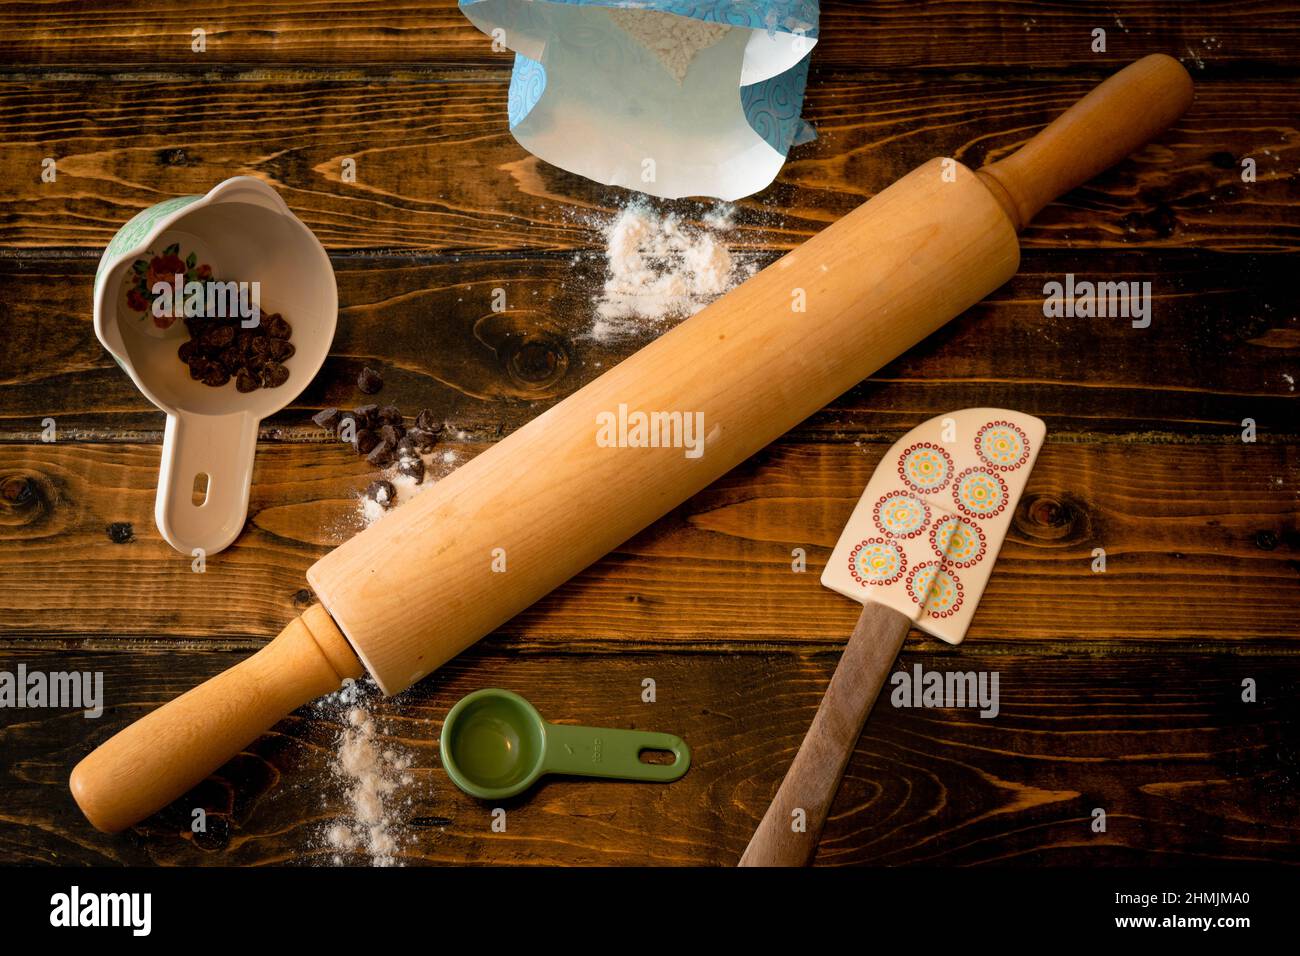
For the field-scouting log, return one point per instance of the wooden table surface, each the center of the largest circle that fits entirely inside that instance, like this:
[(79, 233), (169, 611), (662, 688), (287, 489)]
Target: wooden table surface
[(1120, 691)]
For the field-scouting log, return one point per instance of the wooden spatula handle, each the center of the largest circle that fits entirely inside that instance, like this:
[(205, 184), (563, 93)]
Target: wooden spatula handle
[(1120, 116), (813, 778), (165, 753)]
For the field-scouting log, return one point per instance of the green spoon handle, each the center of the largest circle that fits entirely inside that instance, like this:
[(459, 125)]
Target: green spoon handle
[(615, 754)]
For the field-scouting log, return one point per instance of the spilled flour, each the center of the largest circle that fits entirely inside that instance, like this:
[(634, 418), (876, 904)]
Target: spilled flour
[(437, 465), (658, 267), (372, 777), (674, 40)]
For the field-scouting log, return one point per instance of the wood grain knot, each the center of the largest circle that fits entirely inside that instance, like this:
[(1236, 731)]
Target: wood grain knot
[(22, 500), (1159, 222), (173, 157), (536, 362), (1058, 519)]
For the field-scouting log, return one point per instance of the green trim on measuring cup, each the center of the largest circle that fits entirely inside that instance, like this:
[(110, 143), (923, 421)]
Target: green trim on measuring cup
[(494, 744)]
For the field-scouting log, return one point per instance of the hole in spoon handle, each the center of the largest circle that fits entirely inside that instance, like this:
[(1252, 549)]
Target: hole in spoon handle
[(614, 754)]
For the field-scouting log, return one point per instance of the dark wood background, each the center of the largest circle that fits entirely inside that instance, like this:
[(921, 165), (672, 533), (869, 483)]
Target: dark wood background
[(1119, 690)]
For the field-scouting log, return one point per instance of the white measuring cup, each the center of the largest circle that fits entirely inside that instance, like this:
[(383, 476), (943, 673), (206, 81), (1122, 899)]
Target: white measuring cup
[(244, 232)]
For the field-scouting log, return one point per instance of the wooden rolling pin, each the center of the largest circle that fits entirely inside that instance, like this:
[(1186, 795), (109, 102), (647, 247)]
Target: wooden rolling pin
[(417, 588)]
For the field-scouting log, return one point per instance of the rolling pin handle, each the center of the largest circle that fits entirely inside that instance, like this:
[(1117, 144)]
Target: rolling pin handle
[(1117, 118), (164, 754)]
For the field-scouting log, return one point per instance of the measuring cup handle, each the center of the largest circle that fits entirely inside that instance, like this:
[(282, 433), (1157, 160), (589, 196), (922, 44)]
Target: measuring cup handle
[(614, 754), (220, 447)]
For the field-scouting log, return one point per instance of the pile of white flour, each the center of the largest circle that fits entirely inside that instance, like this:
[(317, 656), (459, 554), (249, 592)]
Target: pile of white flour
[(658, 267)]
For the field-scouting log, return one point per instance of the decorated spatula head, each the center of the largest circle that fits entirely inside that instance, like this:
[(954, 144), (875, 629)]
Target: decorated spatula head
[(927, 530)]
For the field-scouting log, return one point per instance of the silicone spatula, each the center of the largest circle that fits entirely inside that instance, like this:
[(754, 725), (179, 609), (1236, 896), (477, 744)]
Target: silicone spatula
[(917, 552)]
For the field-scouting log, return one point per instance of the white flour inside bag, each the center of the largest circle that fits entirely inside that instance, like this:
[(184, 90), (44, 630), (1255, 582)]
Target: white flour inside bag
[(675, 41)]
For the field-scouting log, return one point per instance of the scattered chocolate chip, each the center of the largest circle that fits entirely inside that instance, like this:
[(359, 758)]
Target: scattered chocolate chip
[(346, 423), (365, 441), (369, 381), (392, 434), (246, 381), (366, 413), (383, 493), (120, 532), (186, 351), (390, 415), (419, 440), (426, 422), (326, 417), (381, 456), (412, 468)]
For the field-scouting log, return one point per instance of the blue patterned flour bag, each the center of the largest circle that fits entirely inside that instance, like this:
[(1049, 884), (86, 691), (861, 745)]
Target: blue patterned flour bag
[(668, 97)]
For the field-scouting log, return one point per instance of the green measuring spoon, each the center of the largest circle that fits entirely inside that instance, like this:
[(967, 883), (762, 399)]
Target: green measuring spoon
[(495, 744)]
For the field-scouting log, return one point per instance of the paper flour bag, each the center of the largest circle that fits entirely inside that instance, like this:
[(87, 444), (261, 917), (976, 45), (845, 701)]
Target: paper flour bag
[(668, 97)]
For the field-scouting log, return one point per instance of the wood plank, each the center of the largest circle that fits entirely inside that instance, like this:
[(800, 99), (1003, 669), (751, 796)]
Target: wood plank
[(895, 35), (1184, 770), (1197, 372), (437, 170), (1201, 543)]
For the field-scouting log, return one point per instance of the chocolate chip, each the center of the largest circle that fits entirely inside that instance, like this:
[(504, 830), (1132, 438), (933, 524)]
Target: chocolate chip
[(231, 359), (120, 532), (247, 381), (186, 351), (277, 327), (412, 468), (281, 350), (426, 422), (420, 440), (346, 422), (365, 441), (274, 375), (390, 415), (326, 417), (366, 414), (382, 492), (259, 345), (216, 376), (392, 434), (381, 456), (217, 337), (369, 381)]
